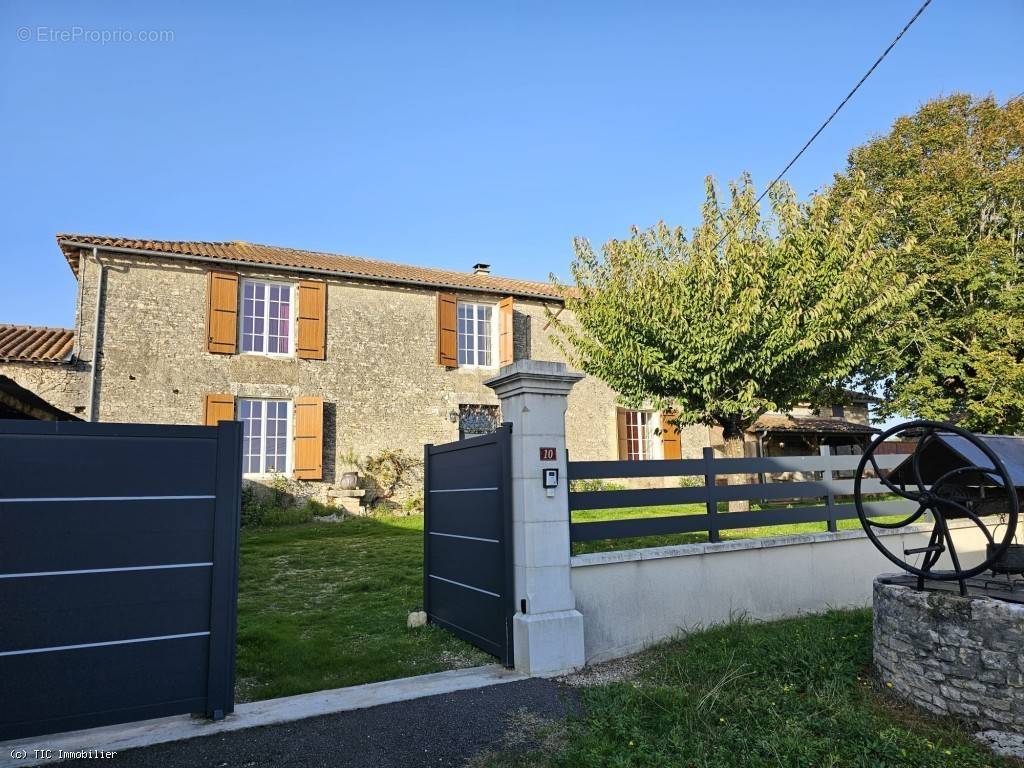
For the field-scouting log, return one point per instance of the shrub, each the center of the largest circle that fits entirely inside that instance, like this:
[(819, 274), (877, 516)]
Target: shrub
[(276, 517), (595, 485), (414, 504), (318, 509), (253, 507), (389, 471)]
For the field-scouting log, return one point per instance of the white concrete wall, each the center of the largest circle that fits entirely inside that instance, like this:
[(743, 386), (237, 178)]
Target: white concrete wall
[(632, 599)]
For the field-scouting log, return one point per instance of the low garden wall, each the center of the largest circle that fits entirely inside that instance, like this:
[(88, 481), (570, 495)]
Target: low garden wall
[(631, 599)]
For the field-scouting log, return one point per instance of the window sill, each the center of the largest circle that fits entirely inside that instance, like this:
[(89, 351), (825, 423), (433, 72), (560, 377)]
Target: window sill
[(272, 355)]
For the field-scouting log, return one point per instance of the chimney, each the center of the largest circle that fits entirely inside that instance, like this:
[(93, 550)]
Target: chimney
[(481, 269)]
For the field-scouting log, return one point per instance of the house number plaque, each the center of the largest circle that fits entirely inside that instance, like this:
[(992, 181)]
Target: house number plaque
[(548, 454)]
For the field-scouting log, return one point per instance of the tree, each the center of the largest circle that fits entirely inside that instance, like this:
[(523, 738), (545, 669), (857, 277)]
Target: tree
[(956, 172), (751, 314)]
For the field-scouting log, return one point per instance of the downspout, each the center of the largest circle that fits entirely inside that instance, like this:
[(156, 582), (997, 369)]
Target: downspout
[(95, 336)]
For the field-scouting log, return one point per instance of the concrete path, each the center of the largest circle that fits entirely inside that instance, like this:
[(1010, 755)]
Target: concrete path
[(437, 731), (258, 714)]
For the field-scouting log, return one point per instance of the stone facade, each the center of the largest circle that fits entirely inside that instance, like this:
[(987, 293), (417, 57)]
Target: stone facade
[(382, 385), (952, 655)]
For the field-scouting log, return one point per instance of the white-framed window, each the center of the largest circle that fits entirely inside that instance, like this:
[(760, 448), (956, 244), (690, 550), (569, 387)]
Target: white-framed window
[(640, 426), (267, 326), (266, 436), (476, 335)]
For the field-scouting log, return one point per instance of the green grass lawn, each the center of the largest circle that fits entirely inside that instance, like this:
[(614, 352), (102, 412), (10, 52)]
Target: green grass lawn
[(582, 516), (324, 605), (792, 694)]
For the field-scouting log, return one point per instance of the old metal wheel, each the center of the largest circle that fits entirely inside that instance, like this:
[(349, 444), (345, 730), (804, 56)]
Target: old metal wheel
[(941, 499)]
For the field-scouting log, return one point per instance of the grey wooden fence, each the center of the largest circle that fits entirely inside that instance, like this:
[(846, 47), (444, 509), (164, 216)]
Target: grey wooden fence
[(832, 478)]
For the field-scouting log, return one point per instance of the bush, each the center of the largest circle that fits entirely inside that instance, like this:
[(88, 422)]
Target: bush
[(276, 517), (318, 509), (595, 485), (414, 504), (389, 472), (253, 507)]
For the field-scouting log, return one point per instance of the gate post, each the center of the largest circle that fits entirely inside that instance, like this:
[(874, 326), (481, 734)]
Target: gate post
[(547, 630)]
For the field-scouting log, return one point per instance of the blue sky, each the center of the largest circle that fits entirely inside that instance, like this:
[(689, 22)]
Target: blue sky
[(440, 134)]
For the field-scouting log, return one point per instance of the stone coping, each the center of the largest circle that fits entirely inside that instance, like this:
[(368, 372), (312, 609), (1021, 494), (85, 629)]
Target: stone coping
[(688, 550)]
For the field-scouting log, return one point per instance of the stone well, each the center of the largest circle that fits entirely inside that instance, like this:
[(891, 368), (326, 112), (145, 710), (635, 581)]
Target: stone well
[(952, 655)]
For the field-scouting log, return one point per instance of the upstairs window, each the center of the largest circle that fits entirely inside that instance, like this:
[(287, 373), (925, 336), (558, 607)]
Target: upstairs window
[(265, 425), (267, 318), (476, 334)]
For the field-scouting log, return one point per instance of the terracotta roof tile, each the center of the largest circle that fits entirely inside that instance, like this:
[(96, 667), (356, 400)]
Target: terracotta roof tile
[(346, 266), (30, 344)]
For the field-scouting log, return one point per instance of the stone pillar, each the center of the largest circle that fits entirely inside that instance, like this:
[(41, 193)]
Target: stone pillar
[(548, 634)]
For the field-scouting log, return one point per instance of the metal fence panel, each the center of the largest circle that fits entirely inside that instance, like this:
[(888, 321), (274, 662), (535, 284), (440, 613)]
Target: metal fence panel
[(467, 540), (118, 572)]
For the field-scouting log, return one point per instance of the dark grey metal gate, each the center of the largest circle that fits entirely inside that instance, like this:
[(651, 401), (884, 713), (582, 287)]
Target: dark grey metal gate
[(467, 540), (118, 573)]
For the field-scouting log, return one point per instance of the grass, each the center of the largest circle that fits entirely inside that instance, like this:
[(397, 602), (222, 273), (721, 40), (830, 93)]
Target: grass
[(794, 694), (324, 605), (579, 548)]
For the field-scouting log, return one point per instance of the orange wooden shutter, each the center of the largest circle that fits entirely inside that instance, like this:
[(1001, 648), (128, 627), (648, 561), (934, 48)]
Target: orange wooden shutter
[(222, 313), (311, 335), (620, 430), (505, 337), (218, 408), (309, 438), (670, 445), (447, 330)]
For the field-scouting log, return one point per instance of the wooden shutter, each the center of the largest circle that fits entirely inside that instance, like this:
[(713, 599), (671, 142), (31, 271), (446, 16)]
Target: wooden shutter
[(311, 331), (218, 408), (620, 430), (308, 431), (505, 337), (447, 330), (222, 313), (670, 445)]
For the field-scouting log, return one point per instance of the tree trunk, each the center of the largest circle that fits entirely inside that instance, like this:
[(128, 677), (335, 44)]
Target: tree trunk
[(733, 448)]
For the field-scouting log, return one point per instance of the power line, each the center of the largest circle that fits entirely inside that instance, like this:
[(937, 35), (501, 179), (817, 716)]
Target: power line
[(835, 112)]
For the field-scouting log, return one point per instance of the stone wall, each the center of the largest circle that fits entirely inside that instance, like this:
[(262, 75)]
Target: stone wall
[(952, 655), (63, 385), (382, 385)]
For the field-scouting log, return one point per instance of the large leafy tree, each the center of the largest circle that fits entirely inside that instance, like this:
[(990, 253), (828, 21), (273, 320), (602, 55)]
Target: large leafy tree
[(751, 313), (951, 177)]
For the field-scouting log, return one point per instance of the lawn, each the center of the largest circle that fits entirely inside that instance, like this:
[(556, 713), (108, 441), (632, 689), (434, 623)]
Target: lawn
[(794, 694), (582, 516), (324, 605)]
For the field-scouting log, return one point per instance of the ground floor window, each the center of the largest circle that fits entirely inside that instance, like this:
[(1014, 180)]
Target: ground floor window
[(639, 435), (265, 435)]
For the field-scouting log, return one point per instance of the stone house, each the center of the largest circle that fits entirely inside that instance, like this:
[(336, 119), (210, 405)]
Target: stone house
[(327, 359)]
